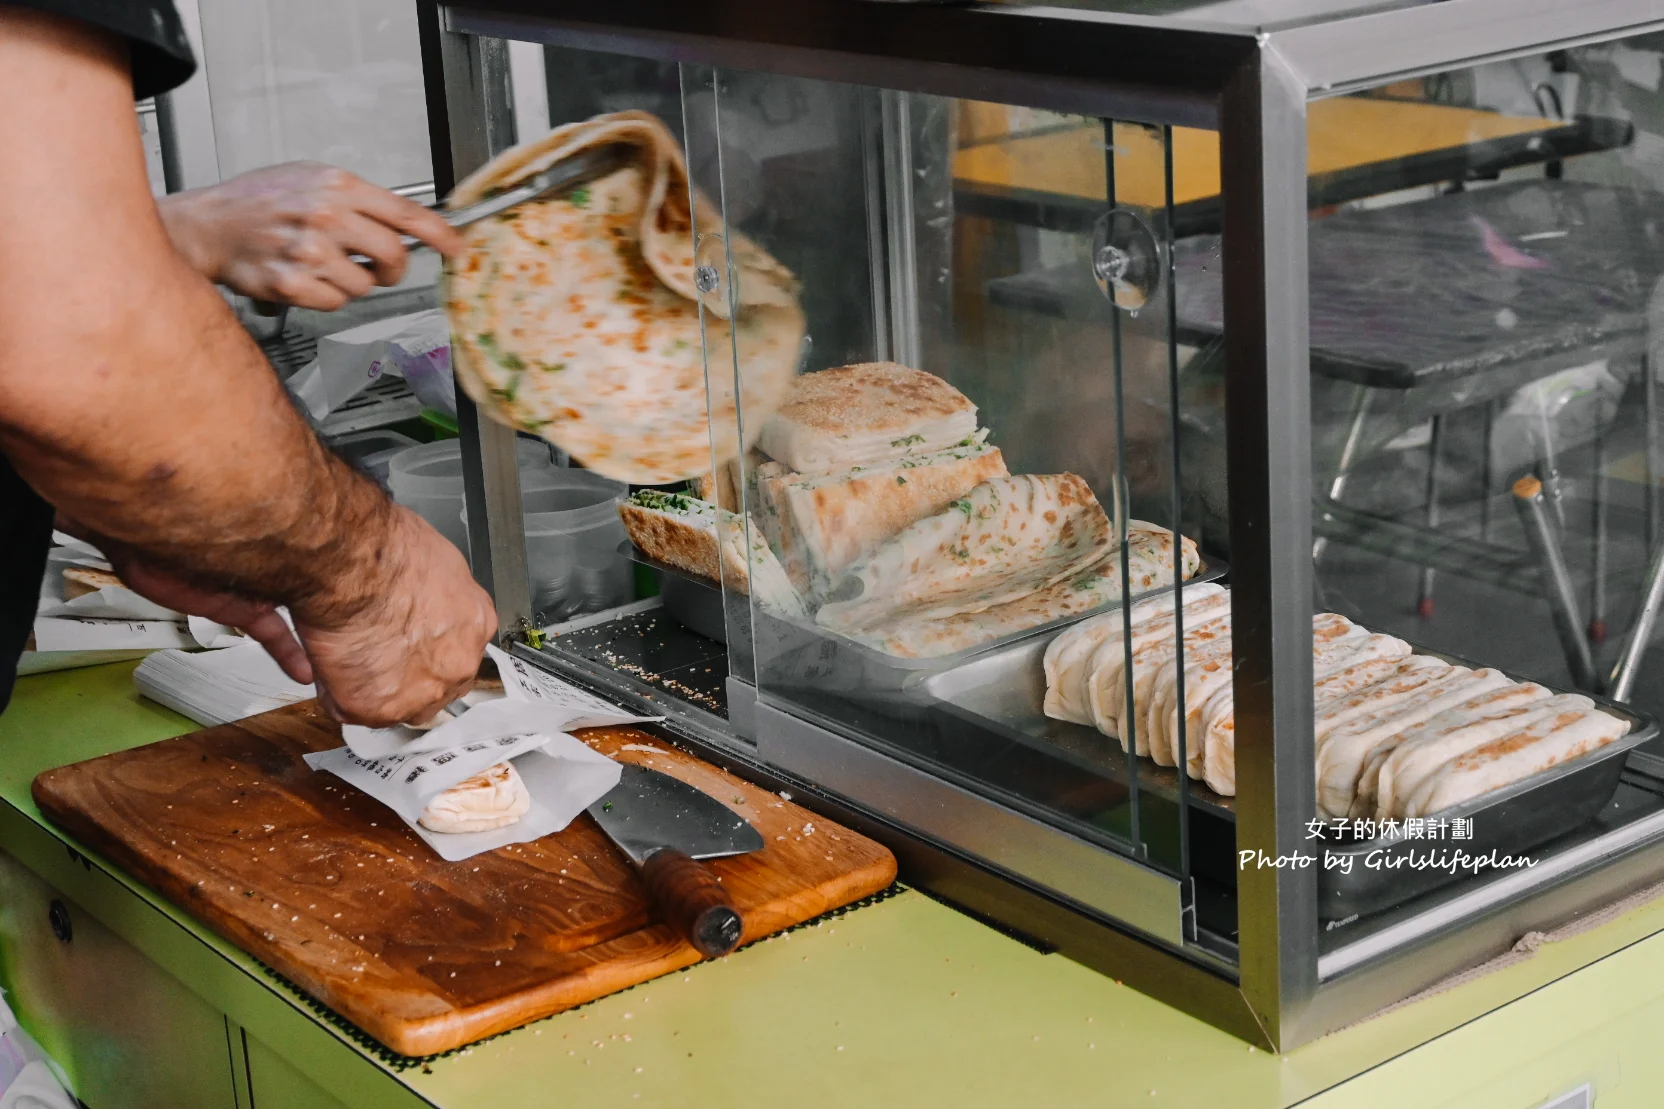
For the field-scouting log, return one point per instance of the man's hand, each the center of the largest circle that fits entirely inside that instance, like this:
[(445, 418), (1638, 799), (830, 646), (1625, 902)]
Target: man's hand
[(407, 647), (405, 640), (284, 233), (259, 620)]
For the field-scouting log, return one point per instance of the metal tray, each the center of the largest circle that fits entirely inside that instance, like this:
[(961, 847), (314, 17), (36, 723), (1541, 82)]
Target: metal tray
[(802, 654), (1511, 821), (1002, 691)]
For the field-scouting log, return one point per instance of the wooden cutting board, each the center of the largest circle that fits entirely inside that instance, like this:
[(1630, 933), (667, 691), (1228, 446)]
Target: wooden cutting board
[(334, 892)]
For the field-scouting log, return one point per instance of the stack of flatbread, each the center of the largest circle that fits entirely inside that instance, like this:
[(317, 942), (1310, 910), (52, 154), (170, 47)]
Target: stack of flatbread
[(578, 317), (867, 450), (1398, 734), (896, 524), (855, 455)]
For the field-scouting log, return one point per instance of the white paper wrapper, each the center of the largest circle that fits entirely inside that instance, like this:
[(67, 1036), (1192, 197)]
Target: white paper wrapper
[(45, 662), (562, 775), (113, 602), (215, 687), (78, 552), (524, 682), (349, 361), (560, 708), (111, 619), (67, 633), (213, 636)]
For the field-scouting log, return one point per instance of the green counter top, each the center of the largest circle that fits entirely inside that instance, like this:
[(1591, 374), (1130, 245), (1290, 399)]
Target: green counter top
[(903, 1003)]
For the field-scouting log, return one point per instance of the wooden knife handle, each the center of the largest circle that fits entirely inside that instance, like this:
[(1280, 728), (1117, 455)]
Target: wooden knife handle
[(687, 896)]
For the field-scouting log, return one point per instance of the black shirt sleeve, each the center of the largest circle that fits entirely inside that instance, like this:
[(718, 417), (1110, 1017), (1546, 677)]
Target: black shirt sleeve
[(162, 58)]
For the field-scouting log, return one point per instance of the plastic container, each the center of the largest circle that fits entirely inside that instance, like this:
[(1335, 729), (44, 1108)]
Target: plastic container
[(427, 479), (372, 451), (573, 532), (573, 540)]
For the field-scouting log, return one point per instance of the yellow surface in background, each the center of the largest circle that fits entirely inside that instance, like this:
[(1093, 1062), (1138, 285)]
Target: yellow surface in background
[(1343, 133), (1633, 469)]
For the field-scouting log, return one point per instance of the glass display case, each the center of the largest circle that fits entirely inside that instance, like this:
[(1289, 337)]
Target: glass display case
[(1214, 531)]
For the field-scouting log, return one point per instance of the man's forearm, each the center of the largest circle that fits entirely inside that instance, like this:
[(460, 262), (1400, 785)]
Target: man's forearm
[(129, 395), (178, 220)]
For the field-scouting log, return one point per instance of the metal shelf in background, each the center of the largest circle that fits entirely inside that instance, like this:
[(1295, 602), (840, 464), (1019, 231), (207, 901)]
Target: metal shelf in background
[(389, 401)]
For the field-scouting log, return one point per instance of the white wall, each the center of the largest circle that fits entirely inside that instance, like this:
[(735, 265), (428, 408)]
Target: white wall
[(337, 81)]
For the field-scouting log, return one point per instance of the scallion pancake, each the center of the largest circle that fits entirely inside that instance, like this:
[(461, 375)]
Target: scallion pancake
[(578, 317)]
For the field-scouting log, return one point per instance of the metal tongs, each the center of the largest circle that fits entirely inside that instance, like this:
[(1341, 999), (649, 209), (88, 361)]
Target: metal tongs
[(566, 174)]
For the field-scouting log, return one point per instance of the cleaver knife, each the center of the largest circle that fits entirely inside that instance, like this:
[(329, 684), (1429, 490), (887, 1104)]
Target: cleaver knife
[(665, 826)]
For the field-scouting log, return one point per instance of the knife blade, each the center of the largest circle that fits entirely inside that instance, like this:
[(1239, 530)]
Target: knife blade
[(665, 826)]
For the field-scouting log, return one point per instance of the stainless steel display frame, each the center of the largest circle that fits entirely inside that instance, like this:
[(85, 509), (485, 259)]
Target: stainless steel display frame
[(1252, 83)]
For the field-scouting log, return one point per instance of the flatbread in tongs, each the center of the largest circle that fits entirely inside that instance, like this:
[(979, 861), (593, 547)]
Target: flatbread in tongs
[(577, 316)]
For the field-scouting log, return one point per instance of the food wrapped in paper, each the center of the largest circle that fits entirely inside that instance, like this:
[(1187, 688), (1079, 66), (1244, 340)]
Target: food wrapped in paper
[(408, 770), (578, 316), (493, 798)]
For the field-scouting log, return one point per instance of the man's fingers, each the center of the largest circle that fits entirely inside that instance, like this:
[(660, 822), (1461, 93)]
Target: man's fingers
[(377, 242), (346, 275), (269, 630), (287, 283), (408, 217)]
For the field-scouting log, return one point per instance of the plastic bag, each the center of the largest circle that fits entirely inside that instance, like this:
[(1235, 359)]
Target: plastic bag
[(1553, 415), (416, 346), (29, 1079)]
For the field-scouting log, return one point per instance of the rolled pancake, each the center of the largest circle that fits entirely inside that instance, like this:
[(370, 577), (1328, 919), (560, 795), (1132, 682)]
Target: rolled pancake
[(1549, 743), (1002, 541), (1111, 712), (1355, 658), (1396, 705), (1345, 703), (1150, 556), (874, 411), (82, 580), (1202, 675), (1091, 589), (1103, 690), (1336, 643), (1501, 696), (493, 798), (1429, 747), (833, 520), (1378, 658), (577, 317), (1067, 655)]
